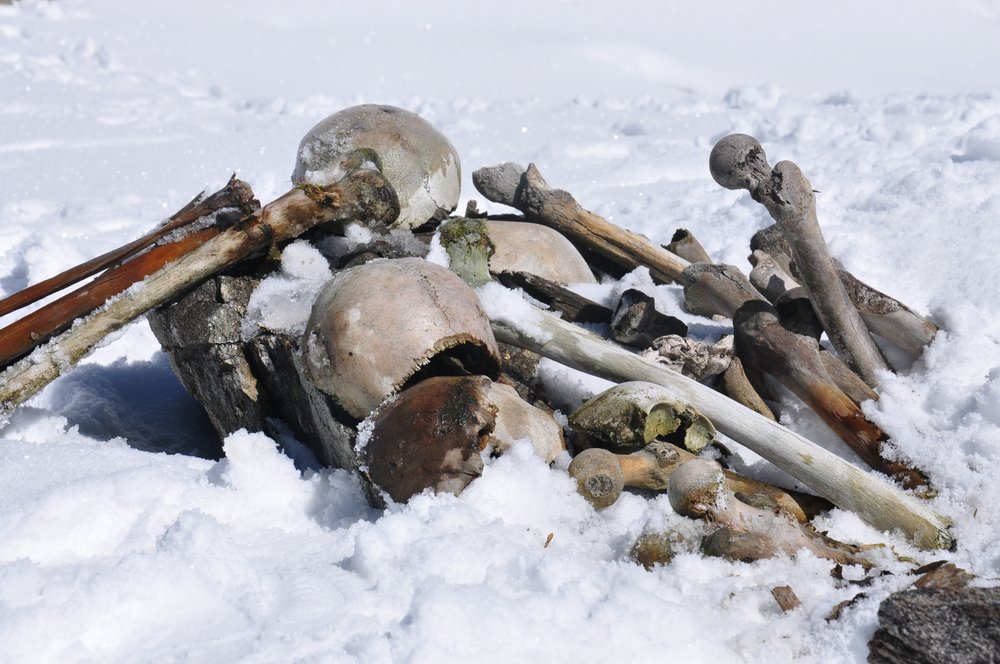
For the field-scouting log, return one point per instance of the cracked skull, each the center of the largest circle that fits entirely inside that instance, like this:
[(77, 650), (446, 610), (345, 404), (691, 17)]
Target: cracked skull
[(417, 159), (379, 326)]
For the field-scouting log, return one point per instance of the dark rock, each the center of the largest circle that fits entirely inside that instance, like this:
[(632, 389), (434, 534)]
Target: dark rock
[(934, 625)]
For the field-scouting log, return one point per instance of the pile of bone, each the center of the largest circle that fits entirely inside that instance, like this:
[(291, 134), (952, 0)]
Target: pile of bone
[(399, 374)]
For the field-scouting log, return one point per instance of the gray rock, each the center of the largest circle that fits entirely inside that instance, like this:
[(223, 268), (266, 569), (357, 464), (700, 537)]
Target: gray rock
[(937, 625)]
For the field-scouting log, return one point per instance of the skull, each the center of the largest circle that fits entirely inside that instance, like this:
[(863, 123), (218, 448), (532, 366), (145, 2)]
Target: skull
[(419, 162), (374, 326)]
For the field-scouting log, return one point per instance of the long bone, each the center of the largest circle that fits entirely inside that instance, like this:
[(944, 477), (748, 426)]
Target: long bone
[(884, 315), (880, 504), (738, 162), (793, 359), (602, 475), (698, 489)]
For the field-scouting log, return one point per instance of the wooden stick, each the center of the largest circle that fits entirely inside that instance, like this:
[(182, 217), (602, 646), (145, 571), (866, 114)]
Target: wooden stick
[(526, 190), (878, 503), (236, 194), (794, 360), (361, 195), (738, 162)]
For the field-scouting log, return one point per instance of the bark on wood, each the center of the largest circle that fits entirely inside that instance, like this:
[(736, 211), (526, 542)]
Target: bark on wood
[(573, 307), (878, 503), (361, 195), (236, 194), (686, 245), (738, 161), (526, 190), (636, 322), (794, 361)]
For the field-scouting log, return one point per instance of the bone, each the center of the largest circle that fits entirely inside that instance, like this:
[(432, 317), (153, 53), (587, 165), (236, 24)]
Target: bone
[(602, 475), (695, 359), (884, 315), (510, 184), (794, 360), (768, 277), (876, 502), (536, 249), (698, 489), (360, 196), (636, 322), (572, 306), (716, 289), (738, 162), (686, 245), (631, 415), (737, 386)]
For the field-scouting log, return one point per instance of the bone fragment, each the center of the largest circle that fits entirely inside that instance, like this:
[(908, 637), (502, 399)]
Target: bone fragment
[(686, 245), (526, 190), (875, 501), (738, 162), (698, 489), (793, 359), (712, 289), (636, 322)]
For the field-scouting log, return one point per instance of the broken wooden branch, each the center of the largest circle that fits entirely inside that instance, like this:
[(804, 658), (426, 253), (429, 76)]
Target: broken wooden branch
[(361, 195), (738, 162), (875, 501), (236, 194)]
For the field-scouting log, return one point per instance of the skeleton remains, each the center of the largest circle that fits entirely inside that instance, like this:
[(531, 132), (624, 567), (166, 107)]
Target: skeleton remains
[(412, 373)]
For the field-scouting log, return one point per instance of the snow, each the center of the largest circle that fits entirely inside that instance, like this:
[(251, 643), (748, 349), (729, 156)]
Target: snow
[(113, 115)]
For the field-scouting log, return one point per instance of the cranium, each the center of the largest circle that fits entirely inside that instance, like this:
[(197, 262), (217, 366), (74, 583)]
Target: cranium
[(375, 325), (419, 162)]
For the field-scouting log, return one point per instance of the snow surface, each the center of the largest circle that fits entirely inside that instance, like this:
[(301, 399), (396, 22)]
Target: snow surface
[(113, 115)]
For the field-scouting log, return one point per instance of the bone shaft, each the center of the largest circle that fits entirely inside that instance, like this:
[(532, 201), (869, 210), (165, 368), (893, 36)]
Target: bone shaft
[(841, 320), (875, 501)]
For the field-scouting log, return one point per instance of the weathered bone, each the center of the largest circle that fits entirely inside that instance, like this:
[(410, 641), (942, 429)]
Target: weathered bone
[(572, 306), (878, 503), (636, 322), (794, 360), (737, 386), (695, 359), (738, 162), (524, 247), (361, 195), (631, 415), (885, 316), (768, 277), (716, 289), (686, 245), (698, 489), (601, 475), (526, 190)]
